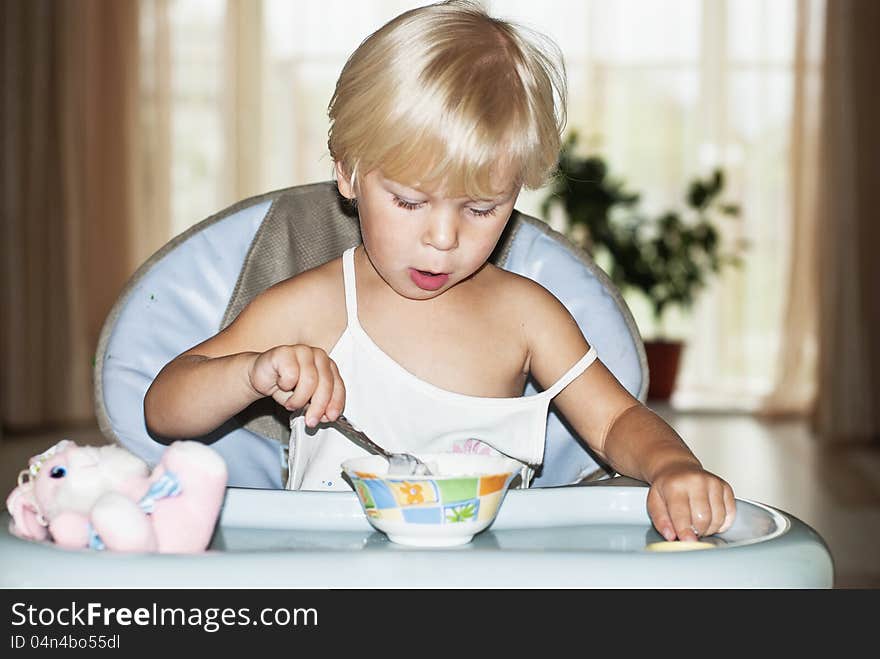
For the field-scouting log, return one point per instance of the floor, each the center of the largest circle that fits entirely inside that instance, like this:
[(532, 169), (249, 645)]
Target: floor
[(837, 492)]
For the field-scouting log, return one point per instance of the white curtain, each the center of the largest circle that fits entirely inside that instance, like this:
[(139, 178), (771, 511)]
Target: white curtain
[(664, 91), (796, 380)]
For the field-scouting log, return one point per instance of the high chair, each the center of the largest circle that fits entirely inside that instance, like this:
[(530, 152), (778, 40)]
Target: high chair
[(197, 284)]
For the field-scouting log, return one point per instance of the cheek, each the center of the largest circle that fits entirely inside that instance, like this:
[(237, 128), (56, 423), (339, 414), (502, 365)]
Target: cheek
[(377, 238), (381, 232), (484, 237)]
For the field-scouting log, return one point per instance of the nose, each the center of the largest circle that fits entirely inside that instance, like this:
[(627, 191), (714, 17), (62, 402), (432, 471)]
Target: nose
[(441, 231)]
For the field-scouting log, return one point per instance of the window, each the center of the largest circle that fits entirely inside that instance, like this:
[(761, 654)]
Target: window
[(663, 90)]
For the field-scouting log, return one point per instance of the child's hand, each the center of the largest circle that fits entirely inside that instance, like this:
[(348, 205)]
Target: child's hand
[(299, 374), (687, 502)]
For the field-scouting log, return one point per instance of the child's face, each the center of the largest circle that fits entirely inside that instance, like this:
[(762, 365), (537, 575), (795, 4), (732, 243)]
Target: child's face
[(421, 241)]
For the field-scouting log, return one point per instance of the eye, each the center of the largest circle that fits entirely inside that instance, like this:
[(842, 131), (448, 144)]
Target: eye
[(58, 472), (483, 212), (407, 205)]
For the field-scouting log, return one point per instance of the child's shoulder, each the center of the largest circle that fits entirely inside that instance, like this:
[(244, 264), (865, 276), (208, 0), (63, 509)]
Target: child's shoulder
[(536, 310), (306, 308), (308, 286), (521, 291)]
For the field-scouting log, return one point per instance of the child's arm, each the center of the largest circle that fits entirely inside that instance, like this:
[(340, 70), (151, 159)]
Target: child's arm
[(683, 497), (260, 354), (623, 432)]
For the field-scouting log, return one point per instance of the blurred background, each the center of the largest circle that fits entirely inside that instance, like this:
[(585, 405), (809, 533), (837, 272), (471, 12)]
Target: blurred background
[(745, 129)]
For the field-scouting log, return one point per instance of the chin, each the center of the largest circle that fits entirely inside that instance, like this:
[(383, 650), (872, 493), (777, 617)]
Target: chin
[(420, 294)]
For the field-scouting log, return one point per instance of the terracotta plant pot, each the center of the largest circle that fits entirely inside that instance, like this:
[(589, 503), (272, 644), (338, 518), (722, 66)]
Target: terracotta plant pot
[(663, 361)]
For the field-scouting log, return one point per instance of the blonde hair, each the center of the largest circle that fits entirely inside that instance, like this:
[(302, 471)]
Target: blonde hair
[(447, 94)]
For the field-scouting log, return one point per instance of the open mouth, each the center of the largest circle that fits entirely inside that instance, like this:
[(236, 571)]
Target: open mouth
[(427, 280)]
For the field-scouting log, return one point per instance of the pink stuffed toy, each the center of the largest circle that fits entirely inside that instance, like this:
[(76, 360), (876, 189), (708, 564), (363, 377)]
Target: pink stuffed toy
[(106, 497)]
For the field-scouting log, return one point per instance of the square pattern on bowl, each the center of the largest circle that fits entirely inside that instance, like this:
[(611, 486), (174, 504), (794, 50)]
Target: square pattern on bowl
[(447, 501)]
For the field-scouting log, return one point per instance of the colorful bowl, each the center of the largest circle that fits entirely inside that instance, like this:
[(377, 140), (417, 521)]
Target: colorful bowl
[(446, 509)]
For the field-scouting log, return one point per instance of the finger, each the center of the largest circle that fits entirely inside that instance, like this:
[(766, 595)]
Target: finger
[(283, 397), (729, 508), (716, 503), (284, 375), (305, 386), (337, 400), (700, 512), (323, 390), (659, 515), (287, 370), (273, 371), (680, 511)]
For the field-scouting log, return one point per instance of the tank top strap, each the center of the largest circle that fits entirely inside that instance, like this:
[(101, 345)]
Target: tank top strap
[(351, 305), (580, 366)]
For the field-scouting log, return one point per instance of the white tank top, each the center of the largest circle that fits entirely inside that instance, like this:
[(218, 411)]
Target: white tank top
[(404, 413)]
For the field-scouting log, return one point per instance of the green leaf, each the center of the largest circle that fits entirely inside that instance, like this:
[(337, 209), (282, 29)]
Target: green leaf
[(667, 257)]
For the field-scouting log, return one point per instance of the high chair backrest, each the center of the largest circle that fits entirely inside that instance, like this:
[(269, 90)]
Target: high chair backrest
[(197, 284)]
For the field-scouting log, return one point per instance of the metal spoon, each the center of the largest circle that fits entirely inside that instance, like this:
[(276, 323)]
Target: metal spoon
[(403, 464)]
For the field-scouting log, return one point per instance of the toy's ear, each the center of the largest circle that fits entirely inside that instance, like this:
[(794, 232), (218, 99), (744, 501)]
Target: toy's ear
[(63, 445), (26, 519)]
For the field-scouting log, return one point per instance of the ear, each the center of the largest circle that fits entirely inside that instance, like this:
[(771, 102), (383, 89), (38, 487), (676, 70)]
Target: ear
[(26, 520), (343, 181), (63, 445)]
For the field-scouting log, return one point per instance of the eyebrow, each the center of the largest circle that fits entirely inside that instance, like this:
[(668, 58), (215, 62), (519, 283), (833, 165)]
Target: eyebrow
[(500, 199)]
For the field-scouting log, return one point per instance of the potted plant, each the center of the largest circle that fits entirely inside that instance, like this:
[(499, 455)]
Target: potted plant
[(668, 258)]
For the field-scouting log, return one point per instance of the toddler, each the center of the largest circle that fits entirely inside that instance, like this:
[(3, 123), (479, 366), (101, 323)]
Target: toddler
[(438, 120)]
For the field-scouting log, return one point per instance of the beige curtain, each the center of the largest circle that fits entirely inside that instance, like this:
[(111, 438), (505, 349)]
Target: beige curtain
[(244, 65), (794, 388), (848, 230), (150, 221), (829, 355), (69, 125)]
